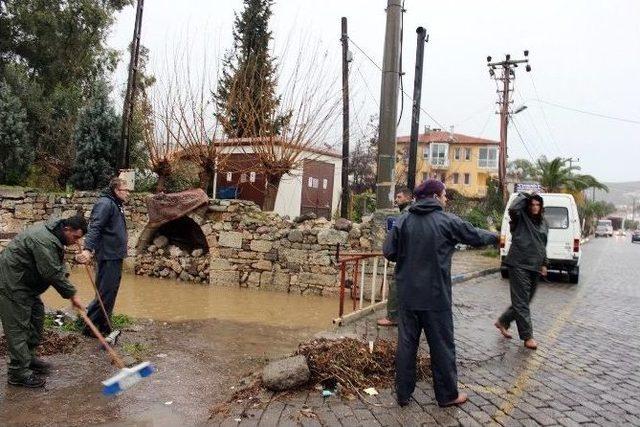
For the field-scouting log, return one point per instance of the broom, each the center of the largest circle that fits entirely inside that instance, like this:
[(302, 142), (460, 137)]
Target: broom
[(127, 377)]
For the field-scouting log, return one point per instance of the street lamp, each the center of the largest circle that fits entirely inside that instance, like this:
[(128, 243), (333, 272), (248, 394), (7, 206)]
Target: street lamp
[(520, 109)]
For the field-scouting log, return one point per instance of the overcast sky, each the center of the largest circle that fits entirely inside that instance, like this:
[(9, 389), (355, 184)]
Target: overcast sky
[(584, 55)]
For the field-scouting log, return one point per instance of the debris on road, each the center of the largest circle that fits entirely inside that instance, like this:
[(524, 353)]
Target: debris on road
[(52, 343)]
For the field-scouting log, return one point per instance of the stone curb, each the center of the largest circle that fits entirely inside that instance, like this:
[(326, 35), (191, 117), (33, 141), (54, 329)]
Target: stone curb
[(458, 278)]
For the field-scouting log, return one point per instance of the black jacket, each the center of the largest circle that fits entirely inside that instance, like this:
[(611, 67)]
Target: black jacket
[(528, 240), (421, 244), (107, 234)]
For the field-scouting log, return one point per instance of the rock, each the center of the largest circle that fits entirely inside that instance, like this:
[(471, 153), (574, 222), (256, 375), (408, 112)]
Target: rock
[(261, 245), (355, 233), (332, 237), (262, 265), (342, 224), (286, 374), (174, 251), (230, 239), (305, 217), (129, 360), (152, 248), (160, 252), (160, 242), (197, 253), (175, 266), (184, 276), (295, 236)]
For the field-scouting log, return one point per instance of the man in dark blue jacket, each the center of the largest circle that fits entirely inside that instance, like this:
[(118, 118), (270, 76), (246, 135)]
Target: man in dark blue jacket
[(106, 240), (421, 244)]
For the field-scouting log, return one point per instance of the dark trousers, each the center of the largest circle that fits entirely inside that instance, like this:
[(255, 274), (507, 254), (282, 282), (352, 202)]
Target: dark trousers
[(523, 285), (392, 300), (108, 278), (438, 328), (22, 323)]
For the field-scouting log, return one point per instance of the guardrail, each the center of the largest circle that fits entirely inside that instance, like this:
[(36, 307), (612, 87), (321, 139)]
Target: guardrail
[(359, 271)]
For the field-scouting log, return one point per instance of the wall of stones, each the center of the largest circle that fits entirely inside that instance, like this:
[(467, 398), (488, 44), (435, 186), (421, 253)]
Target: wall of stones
[(245, 247)]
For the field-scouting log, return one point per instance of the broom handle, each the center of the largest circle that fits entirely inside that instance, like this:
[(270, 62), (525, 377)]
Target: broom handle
[(117, 360), (95, 288)]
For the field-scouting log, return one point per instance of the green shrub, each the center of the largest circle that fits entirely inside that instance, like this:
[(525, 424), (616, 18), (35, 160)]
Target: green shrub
[(362, 204)]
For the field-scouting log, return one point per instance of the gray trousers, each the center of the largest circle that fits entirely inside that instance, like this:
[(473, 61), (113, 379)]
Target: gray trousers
[(523, 284), (438, 328), (108, 278)]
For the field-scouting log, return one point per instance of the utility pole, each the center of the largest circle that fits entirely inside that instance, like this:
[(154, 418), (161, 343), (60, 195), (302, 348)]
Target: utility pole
[(415, 114), (507, 76), (385, 177), (346, 58), (571, 161), (130, 95)]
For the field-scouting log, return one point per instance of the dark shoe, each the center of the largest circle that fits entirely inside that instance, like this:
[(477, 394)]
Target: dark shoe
[(32, 381), (40, 367), (462, 398), (403, 402)]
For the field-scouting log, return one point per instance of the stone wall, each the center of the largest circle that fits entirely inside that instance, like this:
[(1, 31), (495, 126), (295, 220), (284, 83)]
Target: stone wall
[(242, 246)]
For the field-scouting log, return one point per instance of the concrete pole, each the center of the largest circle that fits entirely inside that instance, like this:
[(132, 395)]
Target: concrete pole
[(504, 124), (385, 179), (415, 114), (344, 205)]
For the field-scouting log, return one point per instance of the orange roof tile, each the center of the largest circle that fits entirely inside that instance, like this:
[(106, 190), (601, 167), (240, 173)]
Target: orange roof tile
[(443, 136)]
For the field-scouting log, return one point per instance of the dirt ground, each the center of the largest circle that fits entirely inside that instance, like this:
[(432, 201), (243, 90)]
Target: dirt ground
[(198, 363)]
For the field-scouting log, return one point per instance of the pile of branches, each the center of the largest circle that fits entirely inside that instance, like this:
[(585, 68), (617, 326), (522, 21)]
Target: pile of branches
[(52, 343), (349, 362)]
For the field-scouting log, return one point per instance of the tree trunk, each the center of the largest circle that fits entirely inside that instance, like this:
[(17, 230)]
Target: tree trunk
[(161, 184), (205, 180), (273, 182)]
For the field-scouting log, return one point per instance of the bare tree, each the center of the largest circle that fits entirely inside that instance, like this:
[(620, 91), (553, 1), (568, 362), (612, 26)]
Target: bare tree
[(308, 108)]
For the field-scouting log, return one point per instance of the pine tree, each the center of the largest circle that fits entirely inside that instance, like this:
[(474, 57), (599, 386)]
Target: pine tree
[(246, 98), (96, 139), (17, 154)]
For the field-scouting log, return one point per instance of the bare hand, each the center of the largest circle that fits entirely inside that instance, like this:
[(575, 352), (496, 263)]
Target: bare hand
[(75, 301), (543, 271), (84, 256)]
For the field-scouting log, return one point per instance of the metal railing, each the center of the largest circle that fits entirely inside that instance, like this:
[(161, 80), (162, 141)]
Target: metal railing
[(359, 272)]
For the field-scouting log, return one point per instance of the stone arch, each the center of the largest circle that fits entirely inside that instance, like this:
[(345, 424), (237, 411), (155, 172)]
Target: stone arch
[(187, 231)]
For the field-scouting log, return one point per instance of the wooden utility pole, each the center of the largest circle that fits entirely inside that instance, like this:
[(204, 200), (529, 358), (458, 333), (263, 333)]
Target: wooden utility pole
[(390, 88), (130, 95), (507, 76), (344, 205), (415, 113)]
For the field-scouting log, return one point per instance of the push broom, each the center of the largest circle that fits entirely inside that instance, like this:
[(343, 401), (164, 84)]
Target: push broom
[(127, 377)]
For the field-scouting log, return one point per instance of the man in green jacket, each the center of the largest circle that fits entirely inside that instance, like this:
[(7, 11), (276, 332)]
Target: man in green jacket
[(33, 261)]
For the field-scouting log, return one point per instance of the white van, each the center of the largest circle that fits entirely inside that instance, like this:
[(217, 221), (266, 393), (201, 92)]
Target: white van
[(604, 227), (565, 231)]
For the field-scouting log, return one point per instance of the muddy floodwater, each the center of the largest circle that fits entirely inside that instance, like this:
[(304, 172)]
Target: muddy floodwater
[(166, 300), (202, 340)]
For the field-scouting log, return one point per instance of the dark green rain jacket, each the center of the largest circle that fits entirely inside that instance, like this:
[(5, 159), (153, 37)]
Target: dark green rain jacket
[(33, 261), (528, 240)]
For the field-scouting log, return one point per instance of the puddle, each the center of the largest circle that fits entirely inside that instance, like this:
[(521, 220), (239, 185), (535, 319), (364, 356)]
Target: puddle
[(167, 300)]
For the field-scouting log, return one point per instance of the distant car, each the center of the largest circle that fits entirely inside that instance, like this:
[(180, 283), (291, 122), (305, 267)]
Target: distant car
[(621, 233), (635, 236), (604, 228)]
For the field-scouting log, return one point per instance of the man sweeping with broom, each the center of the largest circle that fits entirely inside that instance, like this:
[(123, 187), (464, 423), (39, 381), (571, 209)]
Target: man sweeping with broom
[(33, 261)]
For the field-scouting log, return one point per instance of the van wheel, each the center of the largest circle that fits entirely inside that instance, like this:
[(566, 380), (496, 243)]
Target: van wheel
[(574, 275), (504, 272)]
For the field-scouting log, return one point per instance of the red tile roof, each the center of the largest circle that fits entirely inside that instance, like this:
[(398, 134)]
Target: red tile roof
[(443, 136)]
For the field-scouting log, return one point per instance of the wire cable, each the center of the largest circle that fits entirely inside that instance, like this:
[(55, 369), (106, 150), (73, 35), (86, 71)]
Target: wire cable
[(515, 126), (591, 113), (535, 89)]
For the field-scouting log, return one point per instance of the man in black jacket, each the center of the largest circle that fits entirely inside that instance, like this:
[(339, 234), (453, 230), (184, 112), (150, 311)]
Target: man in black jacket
[(106, 240), (421, 244), (526, 260)]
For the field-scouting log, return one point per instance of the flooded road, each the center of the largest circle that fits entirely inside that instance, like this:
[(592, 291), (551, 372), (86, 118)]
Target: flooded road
[(202, 339), (167, 300)]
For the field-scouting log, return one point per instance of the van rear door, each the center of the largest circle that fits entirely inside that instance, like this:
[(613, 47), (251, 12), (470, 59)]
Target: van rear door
[(560, 241)]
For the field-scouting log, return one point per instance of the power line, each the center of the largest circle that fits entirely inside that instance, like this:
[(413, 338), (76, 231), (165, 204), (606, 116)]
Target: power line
[(535, 128), (591, 113), (403, 92), (515, 126), (535, 89)]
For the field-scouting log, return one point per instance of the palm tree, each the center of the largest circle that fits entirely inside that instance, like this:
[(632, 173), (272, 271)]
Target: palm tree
[(558, 177)]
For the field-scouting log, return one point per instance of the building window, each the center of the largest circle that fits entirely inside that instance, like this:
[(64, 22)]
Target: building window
[(310, 182), (467, 153), (229, 176), (425, 152), (325, 183), (456, 177), (243, 178), (456, 153), (467, 179), (439, 154), (488, 158), (252, 177)]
